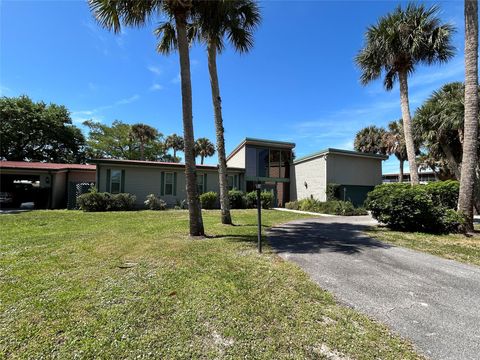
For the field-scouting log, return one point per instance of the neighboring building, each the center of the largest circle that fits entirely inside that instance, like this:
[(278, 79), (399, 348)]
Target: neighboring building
[(166, 180), (45, 184), (357, 173), (424, 177)]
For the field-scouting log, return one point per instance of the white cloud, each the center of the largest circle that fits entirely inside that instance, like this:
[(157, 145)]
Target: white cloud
[(80, 116), (156, 87), (155, 69)]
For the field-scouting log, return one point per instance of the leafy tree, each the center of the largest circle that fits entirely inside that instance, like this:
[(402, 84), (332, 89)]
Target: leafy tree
[(395, 45), (204, 148), (439, 121), (35, 131), (370, 140), (112, 15), (175, 143), (394, 142), (119, 141), (470, 141), (144, 134)]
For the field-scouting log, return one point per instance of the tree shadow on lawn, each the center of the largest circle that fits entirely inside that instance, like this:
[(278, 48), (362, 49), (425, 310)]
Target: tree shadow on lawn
[(316, 237)]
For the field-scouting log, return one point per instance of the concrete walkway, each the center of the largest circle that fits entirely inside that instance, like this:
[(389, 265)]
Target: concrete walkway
[(432, 301)]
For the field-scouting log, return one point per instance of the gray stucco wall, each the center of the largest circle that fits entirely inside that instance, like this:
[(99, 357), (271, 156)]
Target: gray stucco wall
[(353, 170), (313, 173)]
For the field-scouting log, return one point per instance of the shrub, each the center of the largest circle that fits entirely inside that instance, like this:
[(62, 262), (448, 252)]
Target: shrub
[(424, 208), (93, 201), (444, 193), (251, 199), (333, 191), (266, 199), (154, 203), (121, 202), (333, 207), (292, 205), (237, 199), (208, 200), (97, 201)]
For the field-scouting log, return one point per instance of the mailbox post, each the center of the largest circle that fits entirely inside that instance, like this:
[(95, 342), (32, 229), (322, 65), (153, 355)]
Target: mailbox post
[(259, 216)]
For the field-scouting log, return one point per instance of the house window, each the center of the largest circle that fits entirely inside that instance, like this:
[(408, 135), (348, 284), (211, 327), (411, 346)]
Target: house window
[(200, 184), (115, 181), (230, 182), (168, 183)]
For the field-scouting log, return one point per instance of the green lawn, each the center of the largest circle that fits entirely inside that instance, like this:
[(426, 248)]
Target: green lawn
[(452, 246), (65, 292)]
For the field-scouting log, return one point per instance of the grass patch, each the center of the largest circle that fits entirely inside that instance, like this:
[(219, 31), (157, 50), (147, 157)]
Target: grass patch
[(452, 246), (132, 284)]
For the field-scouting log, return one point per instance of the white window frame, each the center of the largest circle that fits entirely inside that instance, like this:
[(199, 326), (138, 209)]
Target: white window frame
[(168, 183), (112, 171)]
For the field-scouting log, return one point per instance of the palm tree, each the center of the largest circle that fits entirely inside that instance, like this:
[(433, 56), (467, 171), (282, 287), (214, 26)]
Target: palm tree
[(469, 158), (399, 41), (394, 143), (175, 143), (143, 134), (236, 21), (204, 148), (370, 140), (111, 15)]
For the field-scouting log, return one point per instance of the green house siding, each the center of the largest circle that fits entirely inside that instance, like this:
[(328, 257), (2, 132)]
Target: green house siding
[(357, 194)]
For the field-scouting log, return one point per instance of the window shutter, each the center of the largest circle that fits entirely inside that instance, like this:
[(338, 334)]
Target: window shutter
[(205, 182), (107, 188), (162, 183), (174, 184), (122, 185), (235, 182)]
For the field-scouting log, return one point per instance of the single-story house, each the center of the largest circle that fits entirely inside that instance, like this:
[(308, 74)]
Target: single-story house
[(164, 179), (356, 174), (268, 162), (48, 185)]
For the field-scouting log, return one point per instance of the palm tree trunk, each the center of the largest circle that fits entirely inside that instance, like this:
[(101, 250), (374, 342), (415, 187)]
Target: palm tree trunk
[(470, 125), (201, 159), (195, 212), (407, 127), (174, 153), (222, 161), (142, 151), (400, 174), (451, 161)]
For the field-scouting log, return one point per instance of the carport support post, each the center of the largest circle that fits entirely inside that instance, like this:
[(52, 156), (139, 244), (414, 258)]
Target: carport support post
[(259, 217)]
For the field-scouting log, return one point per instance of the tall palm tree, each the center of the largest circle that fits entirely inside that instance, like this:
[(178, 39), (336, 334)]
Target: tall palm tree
[(204, 148), (212, 22), (370, 140), (395, 45), (111, 15), (175, 143), (236, 21), (143, 134), (469, 158)]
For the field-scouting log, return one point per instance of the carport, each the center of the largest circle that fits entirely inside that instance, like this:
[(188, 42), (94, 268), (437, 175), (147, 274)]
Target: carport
[(46, 185)]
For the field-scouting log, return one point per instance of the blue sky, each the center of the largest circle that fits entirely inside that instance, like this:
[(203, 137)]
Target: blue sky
[(298, 84)]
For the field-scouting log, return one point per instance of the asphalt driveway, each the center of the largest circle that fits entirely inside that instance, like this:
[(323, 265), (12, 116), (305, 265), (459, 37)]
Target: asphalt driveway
[(432, 301)]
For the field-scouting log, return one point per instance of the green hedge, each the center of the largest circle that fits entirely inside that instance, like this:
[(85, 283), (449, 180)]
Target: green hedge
[(98, 201), (333, 207), (424, 208), (237, 199), (209, 200)]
